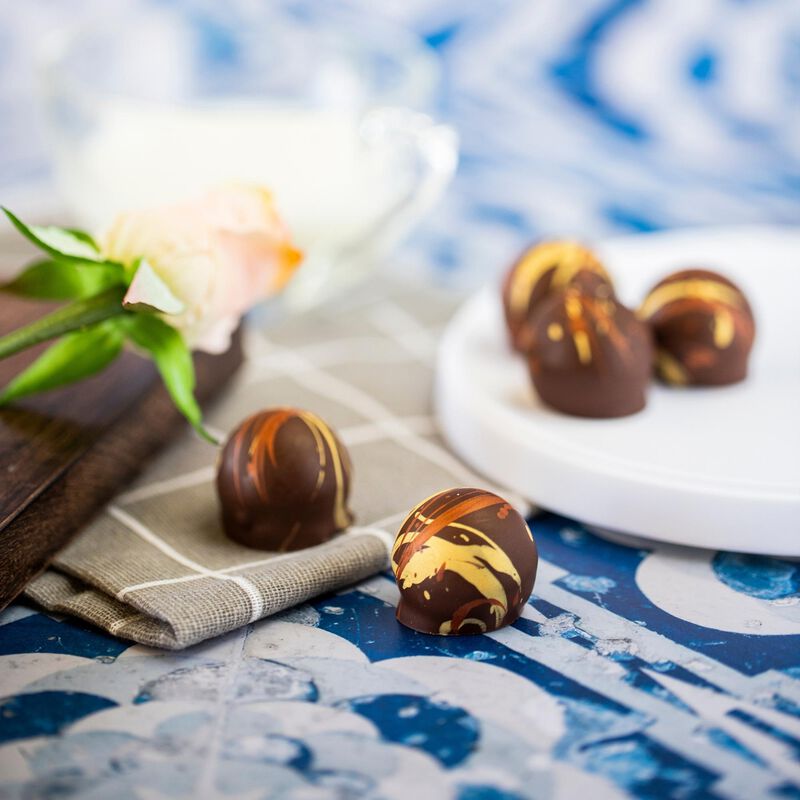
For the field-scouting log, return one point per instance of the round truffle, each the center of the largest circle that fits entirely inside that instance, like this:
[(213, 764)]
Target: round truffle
[(589, 357), (542, 269), (703, 328), (465, 562), (283, 481)]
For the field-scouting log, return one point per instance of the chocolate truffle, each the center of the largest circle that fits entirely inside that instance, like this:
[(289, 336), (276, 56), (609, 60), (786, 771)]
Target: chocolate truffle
[(542, 269), (703, 328), (465, 562), (589, 357), (283, 481)]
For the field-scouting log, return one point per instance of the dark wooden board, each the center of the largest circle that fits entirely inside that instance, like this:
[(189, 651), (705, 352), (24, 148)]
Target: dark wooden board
[(65, 453)]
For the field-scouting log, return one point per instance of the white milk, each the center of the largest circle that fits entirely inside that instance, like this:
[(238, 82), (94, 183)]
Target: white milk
[(327, 184)]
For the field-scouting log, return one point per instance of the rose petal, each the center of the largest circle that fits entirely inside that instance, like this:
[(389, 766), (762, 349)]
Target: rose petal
[(205, 262), (148, 292), (217, 338)]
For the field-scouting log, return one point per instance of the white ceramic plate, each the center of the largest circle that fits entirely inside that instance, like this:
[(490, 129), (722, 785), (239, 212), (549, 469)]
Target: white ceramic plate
[(716, 468)]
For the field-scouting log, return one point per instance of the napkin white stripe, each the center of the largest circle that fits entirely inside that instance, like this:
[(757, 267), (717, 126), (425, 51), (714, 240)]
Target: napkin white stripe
[(143, 532), (401, 326), (346, 350), (373, 431), (185, 481), (118, 624), (386, 538)]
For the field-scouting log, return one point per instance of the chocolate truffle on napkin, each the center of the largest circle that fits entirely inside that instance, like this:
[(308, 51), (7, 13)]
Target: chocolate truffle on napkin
[(156, 566)]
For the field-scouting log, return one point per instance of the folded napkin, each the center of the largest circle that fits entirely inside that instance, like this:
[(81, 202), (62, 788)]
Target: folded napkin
[(155, 566)]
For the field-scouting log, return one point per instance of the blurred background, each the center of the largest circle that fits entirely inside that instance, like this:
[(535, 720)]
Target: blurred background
[(592, 117)]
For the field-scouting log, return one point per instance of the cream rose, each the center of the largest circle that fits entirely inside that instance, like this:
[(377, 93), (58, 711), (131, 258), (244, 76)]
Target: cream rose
[(204, 263)]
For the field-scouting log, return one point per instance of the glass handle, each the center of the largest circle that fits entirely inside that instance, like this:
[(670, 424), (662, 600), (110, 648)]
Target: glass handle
[(429, 153), (432, 149)]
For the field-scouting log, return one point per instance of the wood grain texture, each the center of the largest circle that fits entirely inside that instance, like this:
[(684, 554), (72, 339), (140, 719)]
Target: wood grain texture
[(65, 453)]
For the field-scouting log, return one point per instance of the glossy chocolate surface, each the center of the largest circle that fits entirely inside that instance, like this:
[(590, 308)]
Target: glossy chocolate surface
[(283, 481), (465, 562), (542, 269), (589, 357), (703, 328)]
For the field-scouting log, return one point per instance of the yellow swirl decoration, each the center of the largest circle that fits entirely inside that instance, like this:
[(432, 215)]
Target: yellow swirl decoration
[(319, 429), (670, 369), (724, 328), (577, 324), (476, 558), (410, 535), (265, 439), (264, 433), (447, 626), (468, 561), (566, 258), (555, 332), (690, 289)]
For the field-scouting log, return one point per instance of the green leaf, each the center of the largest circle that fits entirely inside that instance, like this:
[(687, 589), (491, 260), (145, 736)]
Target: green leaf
[(61, 243), (173, 360), (64, 280), (84, 236), (73, 357)]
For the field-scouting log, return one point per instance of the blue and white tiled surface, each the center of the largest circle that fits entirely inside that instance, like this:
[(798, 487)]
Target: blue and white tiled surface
[(633, 672)]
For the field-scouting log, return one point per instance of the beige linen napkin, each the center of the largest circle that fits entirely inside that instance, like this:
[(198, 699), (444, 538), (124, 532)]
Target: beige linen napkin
[(155, 566)]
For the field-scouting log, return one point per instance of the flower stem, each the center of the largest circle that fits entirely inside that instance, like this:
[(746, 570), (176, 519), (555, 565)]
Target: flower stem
[(68, 318)]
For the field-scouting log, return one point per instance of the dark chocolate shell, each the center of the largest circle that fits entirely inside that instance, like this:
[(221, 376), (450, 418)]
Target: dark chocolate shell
[(542, 269), (283, 481), (465, 562), (589, 357), (703, 328)]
